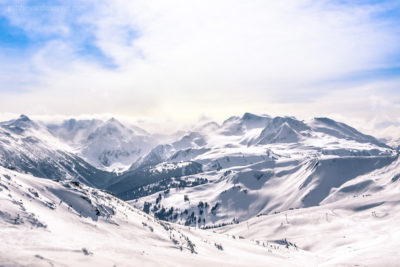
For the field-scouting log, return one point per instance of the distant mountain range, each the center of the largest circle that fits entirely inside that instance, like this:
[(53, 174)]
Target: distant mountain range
[(132, 163)]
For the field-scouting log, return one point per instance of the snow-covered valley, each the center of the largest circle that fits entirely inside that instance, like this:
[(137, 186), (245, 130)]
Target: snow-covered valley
[(254, 190)]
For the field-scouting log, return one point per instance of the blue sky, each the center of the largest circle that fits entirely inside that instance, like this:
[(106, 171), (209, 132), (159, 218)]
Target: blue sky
[(27, 26), (12, 36), (186, 59)]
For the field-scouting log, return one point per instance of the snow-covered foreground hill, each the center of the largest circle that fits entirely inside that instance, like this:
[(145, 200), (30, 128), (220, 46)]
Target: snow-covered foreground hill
[(47, 223), (356, 226), (362, 230)]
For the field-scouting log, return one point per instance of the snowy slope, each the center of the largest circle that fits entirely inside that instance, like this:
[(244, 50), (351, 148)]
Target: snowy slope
[(108, 145), (240, 193), (342, 131), (356, 226), (45, 223), (283, 130), (27, 146)]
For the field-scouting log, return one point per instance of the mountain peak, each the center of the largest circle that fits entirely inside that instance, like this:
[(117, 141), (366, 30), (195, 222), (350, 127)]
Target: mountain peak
[(23, 117), (22, 122), (250, 116), (291, 121), (230, 119), (114, 122)]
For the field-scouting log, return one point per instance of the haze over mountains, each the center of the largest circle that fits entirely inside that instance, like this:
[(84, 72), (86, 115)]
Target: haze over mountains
[(253, 176)]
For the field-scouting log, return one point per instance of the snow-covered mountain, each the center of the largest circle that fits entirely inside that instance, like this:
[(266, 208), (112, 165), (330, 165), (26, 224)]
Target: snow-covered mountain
[(249, 161), (264, 191), (107, 145), (28, 147)]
